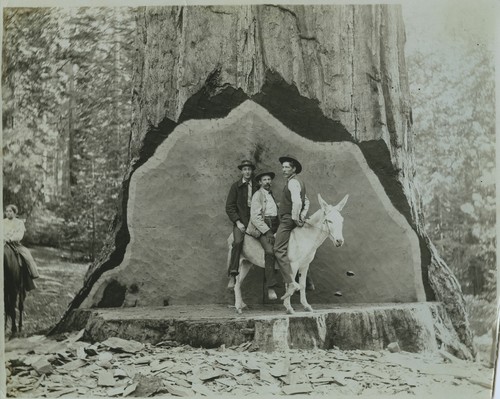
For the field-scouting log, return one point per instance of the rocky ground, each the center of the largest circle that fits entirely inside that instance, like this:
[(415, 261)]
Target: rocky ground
[(68, 367)]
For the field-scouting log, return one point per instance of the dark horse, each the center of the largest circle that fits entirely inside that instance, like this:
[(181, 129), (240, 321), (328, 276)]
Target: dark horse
[(15, 279)]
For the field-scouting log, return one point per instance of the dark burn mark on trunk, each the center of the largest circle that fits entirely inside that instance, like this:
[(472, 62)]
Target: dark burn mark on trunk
[(378, 158), (300, 114), (113, 296)]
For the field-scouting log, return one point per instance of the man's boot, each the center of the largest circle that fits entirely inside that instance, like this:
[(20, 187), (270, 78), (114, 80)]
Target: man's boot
[(309, 283), (292, 287), (232, 282)]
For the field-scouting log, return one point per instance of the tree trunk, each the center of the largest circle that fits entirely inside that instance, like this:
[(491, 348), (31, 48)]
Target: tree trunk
[(328, 73), (66, 143)]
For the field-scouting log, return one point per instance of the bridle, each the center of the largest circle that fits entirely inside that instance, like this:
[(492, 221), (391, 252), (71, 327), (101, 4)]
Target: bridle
[(323, 223)]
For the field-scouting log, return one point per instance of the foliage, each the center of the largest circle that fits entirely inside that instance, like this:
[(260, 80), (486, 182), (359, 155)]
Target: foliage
[(67, 110), (482, 314), (454, 124)]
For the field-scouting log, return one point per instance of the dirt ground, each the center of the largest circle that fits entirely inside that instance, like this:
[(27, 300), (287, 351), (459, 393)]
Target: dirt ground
[(42, 367)]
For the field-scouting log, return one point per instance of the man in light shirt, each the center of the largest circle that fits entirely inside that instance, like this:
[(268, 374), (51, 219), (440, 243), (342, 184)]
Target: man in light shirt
[(293, 209), (238, 209), (263, 224)]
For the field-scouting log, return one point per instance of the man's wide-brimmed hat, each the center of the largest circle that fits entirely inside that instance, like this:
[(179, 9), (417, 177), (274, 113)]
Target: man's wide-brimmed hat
[(260, 175), (246, 162), (293, 159)]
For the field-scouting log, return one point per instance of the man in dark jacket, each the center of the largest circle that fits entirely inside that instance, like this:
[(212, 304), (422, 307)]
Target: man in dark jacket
[(238, 209)]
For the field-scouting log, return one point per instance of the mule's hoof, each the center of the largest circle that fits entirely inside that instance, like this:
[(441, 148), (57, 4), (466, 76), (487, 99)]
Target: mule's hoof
[(290, 311), (271, 294), (308, 308), (239, 311)]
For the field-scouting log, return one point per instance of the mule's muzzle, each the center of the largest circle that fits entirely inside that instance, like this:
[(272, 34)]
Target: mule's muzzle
[(339, 242)]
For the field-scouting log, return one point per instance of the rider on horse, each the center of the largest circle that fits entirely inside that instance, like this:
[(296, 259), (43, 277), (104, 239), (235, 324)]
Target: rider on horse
[(13, 232)]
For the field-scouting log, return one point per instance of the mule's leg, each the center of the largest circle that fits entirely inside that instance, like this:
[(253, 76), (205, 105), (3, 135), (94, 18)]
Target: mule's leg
[(238, 300), (230, 283), (287, 303), (302, 282)]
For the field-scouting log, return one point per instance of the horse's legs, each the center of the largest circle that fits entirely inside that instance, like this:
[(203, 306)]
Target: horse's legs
[(302, 281), (8, 310), (24, 275), (238, 300), (21, 310), (12, 313)]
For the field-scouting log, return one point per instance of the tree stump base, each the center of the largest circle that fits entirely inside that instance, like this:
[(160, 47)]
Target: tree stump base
[(416, 327)]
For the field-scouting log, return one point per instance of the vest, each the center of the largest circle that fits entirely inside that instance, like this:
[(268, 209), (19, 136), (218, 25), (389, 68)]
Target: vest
[(286, 198)]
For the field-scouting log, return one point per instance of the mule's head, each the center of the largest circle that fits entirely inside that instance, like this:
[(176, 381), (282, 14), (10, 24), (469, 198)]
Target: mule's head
[(334, 220)]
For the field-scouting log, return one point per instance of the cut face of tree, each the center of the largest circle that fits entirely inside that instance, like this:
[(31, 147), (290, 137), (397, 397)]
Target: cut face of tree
[(178, 227)]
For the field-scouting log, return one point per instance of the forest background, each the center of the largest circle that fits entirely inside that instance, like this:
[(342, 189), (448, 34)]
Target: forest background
[(67, 79)]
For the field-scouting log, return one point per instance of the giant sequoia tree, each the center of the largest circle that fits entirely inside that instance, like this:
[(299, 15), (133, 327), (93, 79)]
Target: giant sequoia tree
[(213, 85)]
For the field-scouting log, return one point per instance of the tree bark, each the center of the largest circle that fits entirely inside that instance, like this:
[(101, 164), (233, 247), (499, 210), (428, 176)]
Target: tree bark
[(346, 61)]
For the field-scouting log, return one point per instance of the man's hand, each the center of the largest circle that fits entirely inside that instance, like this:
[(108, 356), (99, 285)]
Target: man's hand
[(269, 237), (240, 226), (299, 222)]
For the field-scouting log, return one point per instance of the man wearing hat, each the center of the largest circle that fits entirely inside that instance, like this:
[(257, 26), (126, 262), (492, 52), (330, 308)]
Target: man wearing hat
[(293, 209), (263, 224), (238, 209)]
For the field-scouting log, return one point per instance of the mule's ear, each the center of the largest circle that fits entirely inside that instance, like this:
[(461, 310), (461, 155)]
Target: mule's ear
[(342, 203), (322, 203)]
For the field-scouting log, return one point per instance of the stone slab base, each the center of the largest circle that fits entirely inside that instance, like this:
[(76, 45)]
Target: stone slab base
[(415, 326)]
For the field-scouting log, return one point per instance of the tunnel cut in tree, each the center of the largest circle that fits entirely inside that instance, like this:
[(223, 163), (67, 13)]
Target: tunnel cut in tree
[(214, 85)]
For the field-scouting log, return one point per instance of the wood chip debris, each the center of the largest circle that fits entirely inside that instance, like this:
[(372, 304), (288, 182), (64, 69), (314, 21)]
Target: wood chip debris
[(123, 345), (106, 379), (123, 368), (42, 366), (297, 388)]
